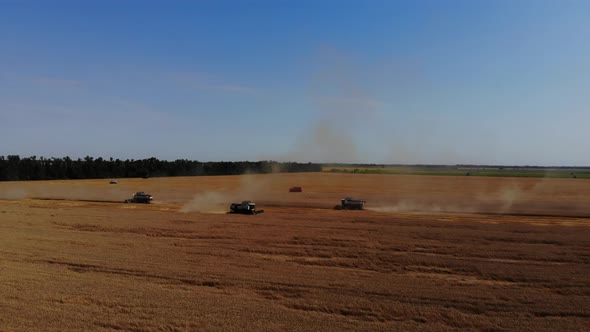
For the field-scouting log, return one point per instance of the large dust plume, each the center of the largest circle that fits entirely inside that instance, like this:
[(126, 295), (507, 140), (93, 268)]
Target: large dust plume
[(252, 187), (208, 202), (341, 108), (490, 195)]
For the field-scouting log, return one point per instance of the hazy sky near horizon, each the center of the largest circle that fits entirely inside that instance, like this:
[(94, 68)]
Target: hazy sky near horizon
[(435, 82)]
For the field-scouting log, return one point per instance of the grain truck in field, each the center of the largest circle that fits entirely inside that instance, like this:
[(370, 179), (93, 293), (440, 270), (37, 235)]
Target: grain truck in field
[(349, 203)]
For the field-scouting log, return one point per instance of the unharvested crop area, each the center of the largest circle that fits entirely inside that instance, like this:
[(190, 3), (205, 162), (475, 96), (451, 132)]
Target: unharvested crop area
[(432, 253)]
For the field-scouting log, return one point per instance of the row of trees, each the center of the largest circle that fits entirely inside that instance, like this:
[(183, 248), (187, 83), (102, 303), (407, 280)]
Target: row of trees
[(14, 168)]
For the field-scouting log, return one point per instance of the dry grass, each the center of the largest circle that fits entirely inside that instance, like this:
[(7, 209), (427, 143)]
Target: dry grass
[(82, 265)]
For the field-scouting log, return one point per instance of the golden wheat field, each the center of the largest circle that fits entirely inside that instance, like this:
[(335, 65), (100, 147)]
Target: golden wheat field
[(429, 253)]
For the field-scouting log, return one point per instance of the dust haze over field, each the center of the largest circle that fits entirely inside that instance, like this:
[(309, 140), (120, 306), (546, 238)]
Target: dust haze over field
[(13, 193), (82, 264), (251, 187), (209, 202), (171, 88), (340, 104), (507, 198), (61, 190), (390, 193)]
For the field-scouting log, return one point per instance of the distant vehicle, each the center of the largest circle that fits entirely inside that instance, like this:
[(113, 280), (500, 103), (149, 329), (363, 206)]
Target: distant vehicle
[(140, 197), (113, 182), (246, 207), (350, 204), (295, 189)]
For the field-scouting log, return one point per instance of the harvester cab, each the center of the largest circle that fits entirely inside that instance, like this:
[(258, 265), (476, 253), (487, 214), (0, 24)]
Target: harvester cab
[(246, 207), (350, 204)]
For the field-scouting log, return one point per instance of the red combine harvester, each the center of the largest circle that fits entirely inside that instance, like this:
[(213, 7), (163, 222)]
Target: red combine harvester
[(295, 189)]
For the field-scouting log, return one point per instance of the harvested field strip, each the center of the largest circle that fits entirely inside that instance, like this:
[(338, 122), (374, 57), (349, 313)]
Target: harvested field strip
[(67, 265)]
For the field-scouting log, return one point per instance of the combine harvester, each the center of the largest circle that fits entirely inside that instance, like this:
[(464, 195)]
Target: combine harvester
[(140, 197), (246, 207), (350, 204)]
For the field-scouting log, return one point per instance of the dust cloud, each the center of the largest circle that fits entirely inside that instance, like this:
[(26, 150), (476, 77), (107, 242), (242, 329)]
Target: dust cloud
[(508, 196), (208, 202), (511, 196), (13, 194), (340, 107), (415, 206), (67, 192), (251, 187)]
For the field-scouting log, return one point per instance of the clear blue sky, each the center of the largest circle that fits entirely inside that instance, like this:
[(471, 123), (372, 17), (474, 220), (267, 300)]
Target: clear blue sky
[(483, 82)]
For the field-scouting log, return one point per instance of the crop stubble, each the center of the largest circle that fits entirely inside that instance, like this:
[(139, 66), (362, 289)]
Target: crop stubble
[(513, 254)]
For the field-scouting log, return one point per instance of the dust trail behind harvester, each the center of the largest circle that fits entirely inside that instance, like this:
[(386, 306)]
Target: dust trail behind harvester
[(413, 206), (46, 190), (208, 202), (13, 193), (535, 196), (250, 187)]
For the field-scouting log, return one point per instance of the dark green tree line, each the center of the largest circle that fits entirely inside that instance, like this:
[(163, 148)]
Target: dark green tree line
[(15, 168)]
